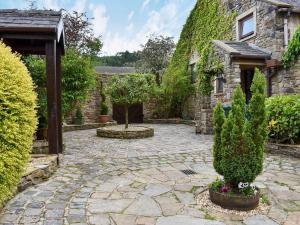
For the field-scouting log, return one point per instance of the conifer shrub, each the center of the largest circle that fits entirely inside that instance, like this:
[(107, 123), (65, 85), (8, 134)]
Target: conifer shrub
[(218, 121), (238, 153), (17, 120)]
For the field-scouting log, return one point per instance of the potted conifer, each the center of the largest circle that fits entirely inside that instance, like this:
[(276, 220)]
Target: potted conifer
[(239, 147), (103, 117)]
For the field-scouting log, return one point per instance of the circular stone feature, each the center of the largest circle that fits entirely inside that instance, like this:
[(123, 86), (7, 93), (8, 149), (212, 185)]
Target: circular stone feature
[(235, 202), (119, 131)]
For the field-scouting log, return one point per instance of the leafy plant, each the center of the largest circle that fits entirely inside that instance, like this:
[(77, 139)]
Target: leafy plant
[(208, 21), (103, 105), (243, 135), (104, 109), (17, 120), (78, 120), (283, 115), (218, 121), (291, 54), (130, 89)]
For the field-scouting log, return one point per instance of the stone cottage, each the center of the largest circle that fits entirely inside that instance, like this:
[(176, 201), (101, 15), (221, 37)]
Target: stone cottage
[(261, 34)]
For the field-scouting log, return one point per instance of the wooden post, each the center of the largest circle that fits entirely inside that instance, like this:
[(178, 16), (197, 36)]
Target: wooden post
[(51, 96), (58, 96)]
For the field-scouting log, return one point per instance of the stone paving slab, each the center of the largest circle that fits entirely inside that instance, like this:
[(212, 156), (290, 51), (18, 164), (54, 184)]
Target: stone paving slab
[(139, 182)]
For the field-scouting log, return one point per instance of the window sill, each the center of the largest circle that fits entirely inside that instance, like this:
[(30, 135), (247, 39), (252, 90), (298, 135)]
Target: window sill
[(247, 37)]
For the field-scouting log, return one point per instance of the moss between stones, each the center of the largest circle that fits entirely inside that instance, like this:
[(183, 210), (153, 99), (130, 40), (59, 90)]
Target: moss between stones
[(133, 132)]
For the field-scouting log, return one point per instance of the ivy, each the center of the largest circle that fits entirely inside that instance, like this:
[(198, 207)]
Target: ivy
[(208, 21), (291, 54)]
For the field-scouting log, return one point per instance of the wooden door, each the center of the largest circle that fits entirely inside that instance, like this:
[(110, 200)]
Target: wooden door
[(246, 82), (135, 114)]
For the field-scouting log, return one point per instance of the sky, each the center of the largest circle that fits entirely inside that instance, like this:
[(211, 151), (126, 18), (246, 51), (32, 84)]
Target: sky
[(123, 24)]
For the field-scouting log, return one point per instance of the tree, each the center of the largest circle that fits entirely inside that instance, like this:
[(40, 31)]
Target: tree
[(218, 121), (243, 135), (130, 89), (78, 77), (155, 56), (80, 35)]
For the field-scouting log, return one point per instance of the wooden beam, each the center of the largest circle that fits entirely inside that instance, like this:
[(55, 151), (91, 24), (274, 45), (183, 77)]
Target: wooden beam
[(58, 96), (50, 49)]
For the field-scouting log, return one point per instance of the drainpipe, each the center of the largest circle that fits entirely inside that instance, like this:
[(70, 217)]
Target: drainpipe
[(286, 29)]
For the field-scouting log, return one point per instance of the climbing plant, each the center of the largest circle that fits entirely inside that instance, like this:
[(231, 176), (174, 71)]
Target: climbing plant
[(209, 20), (291, 54)]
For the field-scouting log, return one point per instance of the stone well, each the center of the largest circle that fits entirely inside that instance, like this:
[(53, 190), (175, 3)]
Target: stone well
[(119, 131)]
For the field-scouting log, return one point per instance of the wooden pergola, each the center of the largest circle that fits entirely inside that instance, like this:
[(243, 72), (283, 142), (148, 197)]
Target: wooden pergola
[(40, 32)]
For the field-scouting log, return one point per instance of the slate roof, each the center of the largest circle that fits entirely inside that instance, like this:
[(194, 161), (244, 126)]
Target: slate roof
[(31, 20), (111, 70), (286, 3), (243, 49)]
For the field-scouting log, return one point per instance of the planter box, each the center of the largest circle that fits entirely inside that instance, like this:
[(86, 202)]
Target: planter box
[(234, 202)]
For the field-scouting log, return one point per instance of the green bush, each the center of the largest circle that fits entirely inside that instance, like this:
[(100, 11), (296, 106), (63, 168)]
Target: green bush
[(78, 77), (284, 118), (218, 121), (243, 135), (17, 120), (78, 120), (104, 109)]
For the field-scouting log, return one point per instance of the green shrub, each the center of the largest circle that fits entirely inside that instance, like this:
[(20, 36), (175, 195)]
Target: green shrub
[(284, 118), (104, 109), (78, 77), (243, 135), (218, 120), (17, 120), (78, 120)]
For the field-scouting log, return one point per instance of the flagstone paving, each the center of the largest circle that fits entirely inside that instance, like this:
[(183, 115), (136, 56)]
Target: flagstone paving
[(139, 182)]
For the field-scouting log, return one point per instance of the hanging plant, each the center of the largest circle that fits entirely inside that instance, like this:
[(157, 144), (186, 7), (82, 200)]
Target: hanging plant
[(291, 54)]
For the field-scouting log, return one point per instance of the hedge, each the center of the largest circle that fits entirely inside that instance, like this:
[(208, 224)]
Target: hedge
[(284, 118), (17, 120)]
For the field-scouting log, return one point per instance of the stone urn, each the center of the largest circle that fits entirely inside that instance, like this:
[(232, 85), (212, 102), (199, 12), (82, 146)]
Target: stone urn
[(104, 118), (234, 202)]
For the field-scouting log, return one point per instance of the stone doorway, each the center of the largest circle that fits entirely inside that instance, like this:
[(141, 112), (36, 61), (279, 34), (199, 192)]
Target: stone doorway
[(247, 75)]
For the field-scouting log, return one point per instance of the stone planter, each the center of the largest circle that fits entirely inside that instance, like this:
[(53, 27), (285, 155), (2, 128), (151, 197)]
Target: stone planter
[(133, 132), (104, 118), (234, 202)]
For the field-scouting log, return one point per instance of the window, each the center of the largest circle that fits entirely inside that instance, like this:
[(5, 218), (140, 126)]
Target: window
[(220, 83), (246, 24), (193, 73)]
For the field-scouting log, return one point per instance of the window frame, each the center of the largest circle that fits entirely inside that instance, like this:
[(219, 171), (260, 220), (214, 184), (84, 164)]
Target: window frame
[(239, 25), (220, 81), (193, 72)]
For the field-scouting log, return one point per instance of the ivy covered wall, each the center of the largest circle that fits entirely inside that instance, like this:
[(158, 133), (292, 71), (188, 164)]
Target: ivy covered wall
[(208, 21)]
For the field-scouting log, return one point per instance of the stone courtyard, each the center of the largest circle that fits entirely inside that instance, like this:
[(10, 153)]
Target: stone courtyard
[(140, 182)]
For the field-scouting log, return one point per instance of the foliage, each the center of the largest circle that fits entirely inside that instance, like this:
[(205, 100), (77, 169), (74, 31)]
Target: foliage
[(154, 57), (17, 120), (78, 120), (291, 54), (120, 59), (284, 118), (130, 89), (218, 121), (243, 135), (208, 21), (80, 35), (37, 69), (103, 105), (78, 77)]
